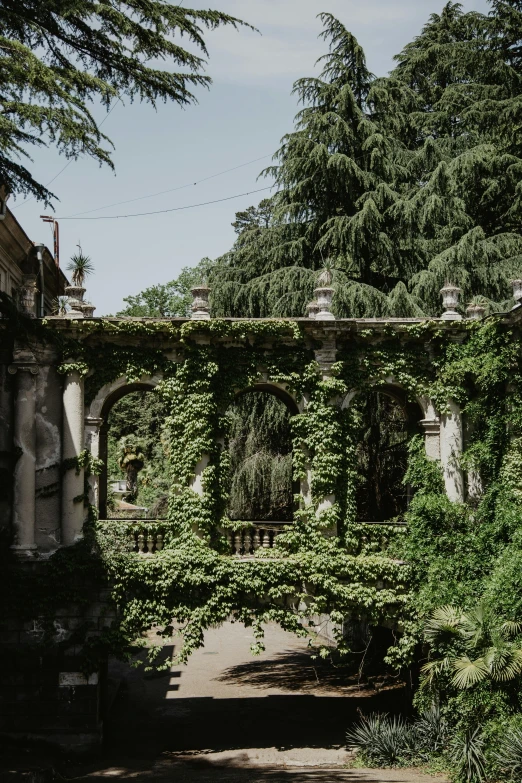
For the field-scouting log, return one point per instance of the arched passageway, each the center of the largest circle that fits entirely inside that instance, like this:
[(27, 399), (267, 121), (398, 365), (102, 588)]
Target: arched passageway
[(388, 421), (259, 443), (134, 454)]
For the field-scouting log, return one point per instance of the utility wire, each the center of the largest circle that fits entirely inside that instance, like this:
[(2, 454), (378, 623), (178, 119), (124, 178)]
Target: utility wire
[(162, 211), (71, 160), (171, 190)]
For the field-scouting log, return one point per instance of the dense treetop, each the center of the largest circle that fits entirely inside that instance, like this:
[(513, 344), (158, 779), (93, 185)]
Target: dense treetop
[(398, 183)]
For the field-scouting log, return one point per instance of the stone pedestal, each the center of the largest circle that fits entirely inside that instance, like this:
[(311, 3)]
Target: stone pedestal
[(24, 479), (73, 477)]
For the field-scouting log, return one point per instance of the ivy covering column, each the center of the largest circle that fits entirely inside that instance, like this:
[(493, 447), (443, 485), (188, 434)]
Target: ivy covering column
[(25, 368), (73, 477)]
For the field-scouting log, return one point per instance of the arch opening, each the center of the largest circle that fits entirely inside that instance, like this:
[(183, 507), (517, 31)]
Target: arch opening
[(134, 478), (388, 421), (259, 442)]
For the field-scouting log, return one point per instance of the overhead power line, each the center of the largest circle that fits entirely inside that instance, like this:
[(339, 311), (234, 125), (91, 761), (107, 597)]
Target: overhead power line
[(70, 161), (162, 211), (170, 190)]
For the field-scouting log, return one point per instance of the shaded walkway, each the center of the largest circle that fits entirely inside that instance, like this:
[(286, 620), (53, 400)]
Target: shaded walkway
[(224, 698)]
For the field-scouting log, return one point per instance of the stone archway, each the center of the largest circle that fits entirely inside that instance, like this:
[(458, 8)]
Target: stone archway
[(96, 426)]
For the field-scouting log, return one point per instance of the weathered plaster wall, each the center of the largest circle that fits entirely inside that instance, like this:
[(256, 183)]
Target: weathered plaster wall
[(48, 457)]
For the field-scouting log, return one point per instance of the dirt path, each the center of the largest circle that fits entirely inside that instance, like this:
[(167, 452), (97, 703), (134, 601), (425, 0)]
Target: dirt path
[(226, 716)]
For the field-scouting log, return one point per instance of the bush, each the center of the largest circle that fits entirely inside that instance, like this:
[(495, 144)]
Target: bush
[(386, 741), (509, 754), (381, 740)]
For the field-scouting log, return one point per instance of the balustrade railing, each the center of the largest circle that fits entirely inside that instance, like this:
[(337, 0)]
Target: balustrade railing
[(147, 539), (258, 535)]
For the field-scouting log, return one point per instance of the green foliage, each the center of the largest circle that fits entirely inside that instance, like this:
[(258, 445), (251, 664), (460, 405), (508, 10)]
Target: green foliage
[(80, 267), (169, 300), (509, 754), (56, 58), (260, 449), (141, 415), (391, 741), (476, 646), (403, 182)]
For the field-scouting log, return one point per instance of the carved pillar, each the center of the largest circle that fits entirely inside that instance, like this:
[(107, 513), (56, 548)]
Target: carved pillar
[(72, 482), (92, 444), (24, 516), (451, 445)]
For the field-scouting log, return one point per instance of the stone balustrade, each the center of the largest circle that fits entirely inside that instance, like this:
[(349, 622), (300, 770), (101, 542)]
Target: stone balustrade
[(146, 540), (258, 535)]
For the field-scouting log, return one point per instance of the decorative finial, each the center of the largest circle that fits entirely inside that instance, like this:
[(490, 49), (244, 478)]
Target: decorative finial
[(312, 308), (87, 309), (74, 293), (324, 295), (475, 312), (200, 303), (450, 300)]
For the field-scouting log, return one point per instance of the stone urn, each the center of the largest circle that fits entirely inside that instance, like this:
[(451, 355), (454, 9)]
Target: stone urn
[(475, 312), (200, 303), (517, 290), (450, 300), (74, 293), (87, 309), (312, 308), (324, 295)]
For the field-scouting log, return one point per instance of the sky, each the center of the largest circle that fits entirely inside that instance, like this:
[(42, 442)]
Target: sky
[(241, 119)]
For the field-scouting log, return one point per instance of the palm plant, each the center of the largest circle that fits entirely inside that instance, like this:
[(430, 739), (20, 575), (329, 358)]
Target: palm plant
[(80, 266), (131, 460), (60, 305), (476, 645)]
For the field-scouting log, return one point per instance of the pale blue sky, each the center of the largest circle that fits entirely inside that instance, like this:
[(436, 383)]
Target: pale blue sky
[(243, 116)]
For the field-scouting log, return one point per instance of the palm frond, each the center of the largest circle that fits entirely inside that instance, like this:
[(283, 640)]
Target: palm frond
[(468, 672), (444, 621)]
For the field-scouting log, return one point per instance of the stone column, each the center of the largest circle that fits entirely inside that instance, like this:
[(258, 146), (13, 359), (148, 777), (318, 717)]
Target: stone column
[(72, 482), (92, 444), (24, 436), (451, 445), (325, 357)]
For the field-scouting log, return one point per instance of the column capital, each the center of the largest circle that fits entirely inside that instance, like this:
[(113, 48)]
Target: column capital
[(23, 361), (430, 426), (93, 421)]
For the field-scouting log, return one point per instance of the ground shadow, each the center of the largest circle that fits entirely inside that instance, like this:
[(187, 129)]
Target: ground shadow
[(301, 671), (148, 716)]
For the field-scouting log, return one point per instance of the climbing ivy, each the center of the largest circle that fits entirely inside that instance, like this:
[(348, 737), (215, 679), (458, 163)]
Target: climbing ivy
[(327, 561)]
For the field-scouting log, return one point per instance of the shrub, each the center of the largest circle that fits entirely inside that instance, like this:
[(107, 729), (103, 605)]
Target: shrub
[(509, 754), (381, 740)]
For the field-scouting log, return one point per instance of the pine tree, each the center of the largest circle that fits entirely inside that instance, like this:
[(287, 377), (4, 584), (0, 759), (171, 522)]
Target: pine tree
[(401, 183), (56, 57)]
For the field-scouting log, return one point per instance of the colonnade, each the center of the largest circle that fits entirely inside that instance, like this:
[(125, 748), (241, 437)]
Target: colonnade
[(443, 441)]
